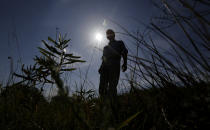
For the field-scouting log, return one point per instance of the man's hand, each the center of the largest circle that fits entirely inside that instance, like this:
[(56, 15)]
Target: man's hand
[(99, 70), (124, 67)]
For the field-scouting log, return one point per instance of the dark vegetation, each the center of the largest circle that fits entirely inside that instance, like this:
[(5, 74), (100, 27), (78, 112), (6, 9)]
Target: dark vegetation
[(170, 89)]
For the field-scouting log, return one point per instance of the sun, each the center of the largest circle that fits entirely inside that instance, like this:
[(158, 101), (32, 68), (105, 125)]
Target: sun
[(98, 37)]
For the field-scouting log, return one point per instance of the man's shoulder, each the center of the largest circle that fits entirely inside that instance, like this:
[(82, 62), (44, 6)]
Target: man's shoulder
[(117, 43), (120, 41)]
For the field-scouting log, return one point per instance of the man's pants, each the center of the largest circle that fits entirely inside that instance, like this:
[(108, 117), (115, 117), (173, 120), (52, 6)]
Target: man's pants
[(108, 82), (108, 91)]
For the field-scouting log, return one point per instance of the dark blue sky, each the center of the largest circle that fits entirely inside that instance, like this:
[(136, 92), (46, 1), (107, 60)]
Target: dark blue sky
[(34, 20)]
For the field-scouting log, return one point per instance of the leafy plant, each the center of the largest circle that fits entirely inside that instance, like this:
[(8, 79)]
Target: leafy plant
[(53, 62)]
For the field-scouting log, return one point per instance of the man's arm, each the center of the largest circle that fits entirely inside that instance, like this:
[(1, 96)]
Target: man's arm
[(124, 55), (124, 66), (102, 64)]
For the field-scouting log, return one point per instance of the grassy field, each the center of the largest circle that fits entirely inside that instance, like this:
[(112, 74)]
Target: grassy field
[(24, 107)]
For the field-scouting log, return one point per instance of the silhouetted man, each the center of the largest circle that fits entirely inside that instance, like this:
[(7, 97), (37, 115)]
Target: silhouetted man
[(110, 67)]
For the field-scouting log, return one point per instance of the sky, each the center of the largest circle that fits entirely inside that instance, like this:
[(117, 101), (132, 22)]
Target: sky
[(24, 23)]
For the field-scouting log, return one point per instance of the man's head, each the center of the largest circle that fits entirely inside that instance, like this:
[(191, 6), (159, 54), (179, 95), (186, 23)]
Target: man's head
[(110, 34)]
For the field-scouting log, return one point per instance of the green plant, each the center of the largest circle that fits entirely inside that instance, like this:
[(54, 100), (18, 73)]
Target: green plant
[(54, 61)]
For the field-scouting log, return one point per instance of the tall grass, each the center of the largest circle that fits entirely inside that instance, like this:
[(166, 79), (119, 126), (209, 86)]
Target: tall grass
[(176, 65), (176, 73)]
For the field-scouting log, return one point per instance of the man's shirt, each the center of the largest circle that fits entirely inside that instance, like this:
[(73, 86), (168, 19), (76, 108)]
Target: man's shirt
[(112, 53)]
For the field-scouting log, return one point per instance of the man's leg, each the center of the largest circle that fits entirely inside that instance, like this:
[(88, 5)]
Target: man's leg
[(112, 90), (103, 85), (113, 81)]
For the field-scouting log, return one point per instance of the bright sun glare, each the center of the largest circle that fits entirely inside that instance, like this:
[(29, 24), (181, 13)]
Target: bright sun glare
[(98, 37)]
